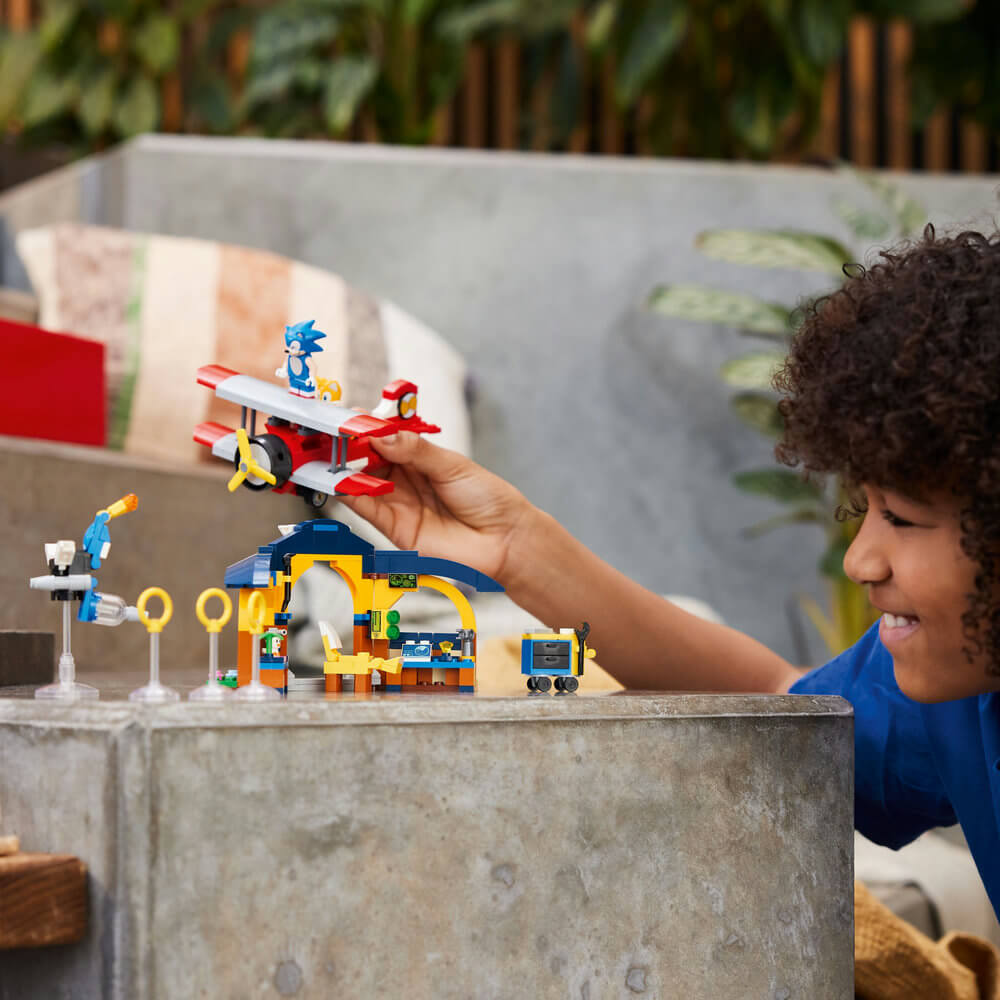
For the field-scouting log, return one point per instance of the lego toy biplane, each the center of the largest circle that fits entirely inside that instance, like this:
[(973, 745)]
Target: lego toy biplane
[(310, 445)]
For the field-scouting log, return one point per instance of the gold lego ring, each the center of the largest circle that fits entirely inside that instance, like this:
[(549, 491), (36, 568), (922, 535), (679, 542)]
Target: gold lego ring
[(213, 624), (154, 624), (256, 612)]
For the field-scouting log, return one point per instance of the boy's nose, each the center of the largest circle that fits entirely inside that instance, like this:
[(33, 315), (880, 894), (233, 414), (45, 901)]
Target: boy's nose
[(865, 561)]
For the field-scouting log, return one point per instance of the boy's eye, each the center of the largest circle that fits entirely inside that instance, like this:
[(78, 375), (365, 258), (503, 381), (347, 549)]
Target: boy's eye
[(896, 522)]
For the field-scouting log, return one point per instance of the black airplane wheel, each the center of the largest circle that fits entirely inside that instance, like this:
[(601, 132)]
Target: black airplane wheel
[(314, 498), (272, 454)]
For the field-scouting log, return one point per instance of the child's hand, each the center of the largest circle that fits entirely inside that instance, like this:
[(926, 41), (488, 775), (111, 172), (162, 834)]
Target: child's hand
[(444, 505)]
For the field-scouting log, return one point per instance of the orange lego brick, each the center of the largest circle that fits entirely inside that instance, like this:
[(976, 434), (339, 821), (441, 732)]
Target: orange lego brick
[(244, 654), (274, 678)]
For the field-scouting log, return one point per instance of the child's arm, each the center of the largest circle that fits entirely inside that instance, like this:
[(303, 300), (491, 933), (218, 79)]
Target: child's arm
[(447, 506), (644, 641)]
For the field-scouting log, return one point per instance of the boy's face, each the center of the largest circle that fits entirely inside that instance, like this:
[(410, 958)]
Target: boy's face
[(908, 553)]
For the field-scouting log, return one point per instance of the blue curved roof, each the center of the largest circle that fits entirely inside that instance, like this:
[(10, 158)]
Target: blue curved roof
[(325, 537)]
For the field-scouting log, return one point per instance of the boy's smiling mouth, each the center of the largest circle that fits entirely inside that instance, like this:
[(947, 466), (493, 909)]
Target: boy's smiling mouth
[(893, 628)]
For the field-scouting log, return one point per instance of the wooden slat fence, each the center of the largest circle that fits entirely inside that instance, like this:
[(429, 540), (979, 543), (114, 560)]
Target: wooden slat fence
[(864, 114)]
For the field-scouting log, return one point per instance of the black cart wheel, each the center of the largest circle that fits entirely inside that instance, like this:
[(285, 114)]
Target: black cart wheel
[(532, 684), (570, 684), (543, 684)]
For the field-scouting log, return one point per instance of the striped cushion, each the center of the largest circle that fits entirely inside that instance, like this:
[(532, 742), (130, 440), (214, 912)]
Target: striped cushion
[(164, 305)]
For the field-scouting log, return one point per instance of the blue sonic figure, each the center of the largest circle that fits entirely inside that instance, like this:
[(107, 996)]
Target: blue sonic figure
[(300, 344)]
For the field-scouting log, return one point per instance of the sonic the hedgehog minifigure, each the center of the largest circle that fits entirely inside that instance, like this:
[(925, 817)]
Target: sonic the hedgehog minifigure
[(300, 344)]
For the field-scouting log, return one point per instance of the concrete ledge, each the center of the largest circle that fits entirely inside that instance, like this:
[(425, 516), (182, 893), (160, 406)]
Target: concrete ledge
[(609, 846)]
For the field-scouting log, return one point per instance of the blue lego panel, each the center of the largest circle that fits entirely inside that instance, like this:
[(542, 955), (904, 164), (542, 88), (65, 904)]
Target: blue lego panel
[(387, 561), (254, 571)]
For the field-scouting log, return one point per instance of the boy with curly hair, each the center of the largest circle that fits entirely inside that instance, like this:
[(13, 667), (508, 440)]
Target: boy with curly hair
[(892, 383)]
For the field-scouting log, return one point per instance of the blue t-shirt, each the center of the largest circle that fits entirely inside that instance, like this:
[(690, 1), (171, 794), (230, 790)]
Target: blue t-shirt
[(918, 766)]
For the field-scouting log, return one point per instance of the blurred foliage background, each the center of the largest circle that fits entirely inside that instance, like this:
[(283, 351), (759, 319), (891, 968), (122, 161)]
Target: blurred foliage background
[(911, 84), (879, 82)]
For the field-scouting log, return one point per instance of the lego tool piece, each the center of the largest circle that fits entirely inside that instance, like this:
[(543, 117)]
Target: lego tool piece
[(213, 691), (154, 693)]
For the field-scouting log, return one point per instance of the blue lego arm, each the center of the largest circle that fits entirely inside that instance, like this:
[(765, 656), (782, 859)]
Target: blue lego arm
[(96, 537)]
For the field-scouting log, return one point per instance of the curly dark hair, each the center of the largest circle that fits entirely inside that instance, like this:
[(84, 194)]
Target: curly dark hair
[(894, 380)]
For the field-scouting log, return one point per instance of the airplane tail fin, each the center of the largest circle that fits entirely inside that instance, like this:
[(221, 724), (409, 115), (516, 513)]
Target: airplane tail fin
[(398, 406)]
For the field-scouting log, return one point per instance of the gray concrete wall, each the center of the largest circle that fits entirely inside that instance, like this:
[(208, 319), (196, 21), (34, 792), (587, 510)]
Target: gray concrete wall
[(536, 268), (584, 848)]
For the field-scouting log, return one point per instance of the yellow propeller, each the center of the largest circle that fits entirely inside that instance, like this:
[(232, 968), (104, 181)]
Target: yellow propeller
[(248, 464)]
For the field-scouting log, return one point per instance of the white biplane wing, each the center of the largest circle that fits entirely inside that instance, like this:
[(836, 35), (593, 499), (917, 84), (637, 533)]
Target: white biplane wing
[(267, 397)]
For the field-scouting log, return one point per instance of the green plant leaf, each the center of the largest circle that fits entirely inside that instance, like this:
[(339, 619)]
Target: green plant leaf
[(350, 80), (211, 100), (753, 118), (57, 20), (311, 73), (753, 371), (601, 23), (285, 31), (414, 11), (782, 485), (864, 224), (47, 96), (139, 108), (775, 248), (715, 305), (822, 29), (759, 411), (97, 102), (157, 43), (268, 82), (910, 215), (466, 23), (657, 34), (803, 515), (19, 55)]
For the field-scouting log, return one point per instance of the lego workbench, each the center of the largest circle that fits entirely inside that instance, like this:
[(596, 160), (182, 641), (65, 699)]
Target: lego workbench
[(435, 847)]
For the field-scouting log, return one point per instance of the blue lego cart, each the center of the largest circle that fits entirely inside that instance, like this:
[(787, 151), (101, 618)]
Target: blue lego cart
[(555, 659)]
